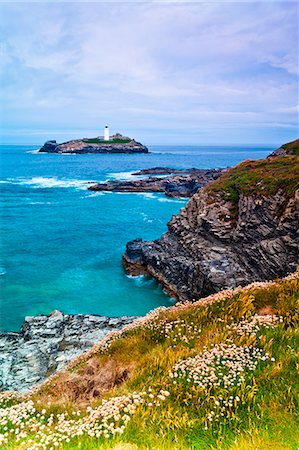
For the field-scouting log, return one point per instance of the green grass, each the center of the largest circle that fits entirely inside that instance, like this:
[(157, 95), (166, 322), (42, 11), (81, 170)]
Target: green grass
[(265, 417), (111, 141), (292, 146), (260, 178)]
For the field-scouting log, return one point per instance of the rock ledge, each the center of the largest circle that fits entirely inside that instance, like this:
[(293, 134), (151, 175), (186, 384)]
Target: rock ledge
[(46, 344)]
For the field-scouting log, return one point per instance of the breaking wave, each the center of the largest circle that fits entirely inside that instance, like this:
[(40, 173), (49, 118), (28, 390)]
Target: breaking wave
[(48, 182)]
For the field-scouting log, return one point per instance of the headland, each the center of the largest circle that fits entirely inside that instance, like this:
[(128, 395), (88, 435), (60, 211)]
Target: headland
[(240, 228)]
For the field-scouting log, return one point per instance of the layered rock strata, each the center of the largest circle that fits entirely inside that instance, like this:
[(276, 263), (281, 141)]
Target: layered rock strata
[(239, 229), (46, 344)]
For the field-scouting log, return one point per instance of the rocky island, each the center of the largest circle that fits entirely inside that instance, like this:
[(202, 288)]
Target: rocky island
[(116, 143), (176, 183), (240, 228)]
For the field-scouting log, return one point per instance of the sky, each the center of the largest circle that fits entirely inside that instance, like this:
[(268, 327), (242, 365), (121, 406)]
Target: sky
[(165, 72)]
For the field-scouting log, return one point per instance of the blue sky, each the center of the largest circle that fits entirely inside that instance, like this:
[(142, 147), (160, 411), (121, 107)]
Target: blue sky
[(163, 72)]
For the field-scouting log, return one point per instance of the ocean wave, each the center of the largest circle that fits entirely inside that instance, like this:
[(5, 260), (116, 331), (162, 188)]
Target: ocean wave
[(122, 176), (126, 176), (33, 152), (141, 280), (94, 194), (147, 195), (42, 203), (181, 200), (49, 182), (2, 271)]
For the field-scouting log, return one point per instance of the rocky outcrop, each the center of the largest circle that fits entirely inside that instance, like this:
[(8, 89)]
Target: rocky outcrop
[(118, 144), (291, 148), (239, 229), (46, 344), (183, 185)]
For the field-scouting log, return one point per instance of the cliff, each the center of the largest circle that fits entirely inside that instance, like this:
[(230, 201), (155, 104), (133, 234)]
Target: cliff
[(240, 228), (116, 144)]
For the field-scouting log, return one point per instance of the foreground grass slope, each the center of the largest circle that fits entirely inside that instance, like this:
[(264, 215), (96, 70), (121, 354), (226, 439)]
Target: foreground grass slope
[(220, 373)]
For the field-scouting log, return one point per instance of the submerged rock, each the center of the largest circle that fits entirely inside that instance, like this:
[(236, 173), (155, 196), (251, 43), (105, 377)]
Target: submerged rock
[(46, 344)]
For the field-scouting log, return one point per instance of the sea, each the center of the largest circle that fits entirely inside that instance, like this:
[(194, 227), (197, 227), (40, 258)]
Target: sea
[(62, 245)]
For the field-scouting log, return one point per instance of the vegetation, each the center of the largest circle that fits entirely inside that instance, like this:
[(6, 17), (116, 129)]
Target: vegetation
[(111, 141), (263, 177), (219, 373), (292, 147)]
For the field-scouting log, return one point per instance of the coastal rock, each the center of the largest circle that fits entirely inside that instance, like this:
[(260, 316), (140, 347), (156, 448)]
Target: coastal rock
[(291, 148), (232, 232), (46, 344), (170, 171), (183, 185), (117, 144)]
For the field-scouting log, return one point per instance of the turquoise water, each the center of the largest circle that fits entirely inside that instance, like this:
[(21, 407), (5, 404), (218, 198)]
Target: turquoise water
[(61, 245)]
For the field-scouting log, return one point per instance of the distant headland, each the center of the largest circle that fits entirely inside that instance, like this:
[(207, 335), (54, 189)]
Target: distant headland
[(116, 143)]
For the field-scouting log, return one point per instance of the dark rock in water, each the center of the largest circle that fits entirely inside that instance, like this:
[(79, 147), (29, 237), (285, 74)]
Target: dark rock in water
[(241, 228), (168, 171), (49, 147), (118, 144), (46, 344), (183, 185), (155, 171)]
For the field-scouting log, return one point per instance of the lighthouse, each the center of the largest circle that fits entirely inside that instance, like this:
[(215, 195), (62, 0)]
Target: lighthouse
[(106, 133)]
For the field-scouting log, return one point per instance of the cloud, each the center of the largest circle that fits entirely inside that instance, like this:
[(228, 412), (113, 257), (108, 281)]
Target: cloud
[(145, 67)]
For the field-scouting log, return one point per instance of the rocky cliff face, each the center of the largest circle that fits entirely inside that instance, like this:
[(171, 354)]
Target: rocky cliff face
[(47, 344), (241, 228)]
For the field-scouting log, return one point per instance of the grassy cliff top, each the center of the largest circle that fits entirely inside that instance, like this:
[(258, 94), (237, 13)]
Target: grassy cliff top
[(292, 147), (263, 177), (219, 373)]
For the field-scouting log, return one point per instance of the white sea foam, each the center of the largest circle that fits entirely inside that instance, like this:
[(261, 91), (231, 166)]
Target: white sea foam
[(147, 195), (145, 218), (94, 194), (49, 182), (141, 280), (34, 152), (126, 176), (173, 200), (42, 203), (2, 271), (122, 176)]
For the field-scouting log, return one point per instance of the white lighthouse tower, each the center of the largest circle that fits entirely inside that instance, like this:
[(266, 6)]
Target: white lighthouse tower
[(106, 133)]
